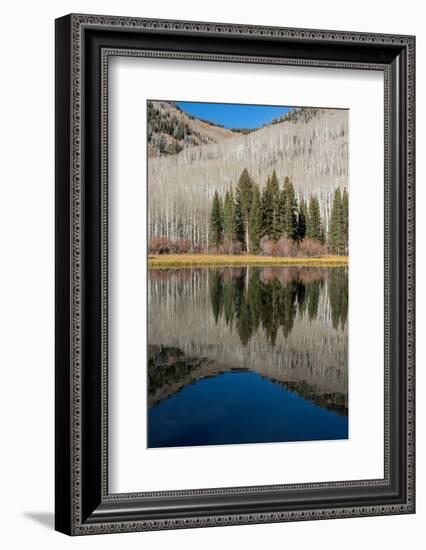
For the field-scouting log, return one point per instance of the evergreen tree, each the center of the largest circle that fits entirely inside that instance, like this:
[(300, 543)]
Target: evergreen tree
[(274, 190), (345, 208), (239, 222), (282, 205), (229, 222), (302, 219), (289, 210), (255, 221), (322, 234), (314, 227), (271, 220), (336, 238), (216, 222), (267, 208), (244, 197)]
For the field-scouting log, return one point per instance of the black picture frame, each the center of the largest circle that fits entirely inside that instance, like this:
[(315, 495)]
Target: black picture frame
[(83, 45)]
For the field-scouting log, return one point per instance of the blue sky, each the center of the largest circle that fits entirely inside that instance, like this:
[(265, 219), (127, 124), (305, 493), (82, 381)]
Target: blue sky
[(234, 115)]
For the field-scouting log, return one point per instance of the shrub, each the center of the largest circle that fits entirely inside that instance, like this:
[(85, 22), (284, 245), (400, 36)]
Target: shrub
[(231, 247), (286, 248), (159, 245), (196, 248), (163, 245), (311, 249), (183, 245), (268, 246)]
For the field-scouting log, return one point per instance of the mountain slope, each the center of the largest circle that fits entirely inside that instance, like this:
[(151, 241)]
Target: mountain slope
[(170, 130), (310, 147)]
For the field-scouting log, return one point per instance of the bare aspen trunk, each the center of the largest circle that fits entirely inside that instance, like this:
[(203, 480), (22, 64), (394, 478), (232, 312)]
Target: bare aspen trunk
[(247, 239)]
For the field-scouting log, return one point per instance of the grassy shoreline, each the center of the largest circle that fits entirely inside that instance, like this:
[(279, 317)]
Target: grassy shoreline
[(222, 260)]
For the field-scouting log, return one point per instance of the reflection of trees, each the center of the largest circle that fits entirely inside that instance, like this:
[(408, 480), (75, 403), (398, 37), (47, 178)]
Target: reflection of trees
[(166, 364), (210, 313), (216, 295), (256, 298), (313, 299), (338, 292)]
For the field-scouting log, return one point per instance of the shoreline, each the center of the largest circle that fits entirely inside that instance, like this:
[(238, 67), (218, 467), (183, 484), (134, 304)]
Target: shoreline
[(166, 261)]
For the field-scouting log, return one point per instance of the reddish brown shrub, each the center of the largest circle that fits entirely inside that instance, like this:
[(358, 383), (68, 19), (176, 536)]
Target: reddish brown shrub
[(197, 248), (268, 246), (183, 246), (163, 245), (159, 245), (311, 249), (286, 248), (232, 247), (228, 247)]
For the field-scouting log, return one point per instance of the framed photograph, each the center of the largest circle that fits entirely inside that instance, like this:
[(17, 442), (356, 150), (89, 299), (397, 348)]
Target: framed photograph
[(234, 274)]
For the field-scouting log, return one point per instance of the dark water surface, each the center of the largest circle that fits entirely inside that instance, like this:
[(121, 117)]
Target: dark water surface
[(247, 355)]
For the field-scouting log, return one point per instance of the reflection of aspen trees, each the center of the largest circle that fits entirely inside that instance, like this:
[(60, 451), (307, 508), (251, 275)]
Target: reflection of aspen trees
[(263, 325)]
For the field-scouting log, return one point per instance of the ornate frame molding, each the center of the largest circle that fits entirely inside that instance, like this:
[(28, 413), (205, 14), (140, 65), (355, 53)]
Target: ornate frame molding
[(73, 58)]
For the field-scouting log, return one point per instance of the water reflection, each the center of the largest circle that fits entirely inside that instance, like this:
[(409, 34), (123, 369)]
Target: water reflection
[(287, 325), (271, 298)]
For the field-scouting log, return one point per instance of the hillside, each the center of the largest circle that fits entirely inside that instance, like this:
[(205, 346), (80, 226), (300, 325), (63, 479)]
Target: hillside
[(170, 130), (310, 146)]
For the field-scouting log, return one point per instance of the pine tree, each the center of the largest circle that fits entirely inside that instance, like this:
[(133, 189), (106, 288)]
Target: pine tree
[(239, 222), (216, 222), (314, 227), (289, 210), (274, 190), (282, 205), (229, 224), (345, 208), (336, 238), (307, 221), (271, 219), (267, 209), (244, 197), (302, 219), (322, 234), (255, 221)]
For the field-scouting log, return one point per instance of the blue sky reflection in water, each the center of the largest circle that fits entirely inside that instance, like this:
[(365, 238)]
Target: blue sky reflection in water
[(261, 356), (240, 407)]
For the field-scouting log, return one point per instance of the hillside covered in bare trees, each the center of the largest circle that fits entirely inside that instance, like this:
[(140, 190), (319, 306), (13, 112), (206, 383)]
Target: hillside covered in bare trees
[(194, 165)]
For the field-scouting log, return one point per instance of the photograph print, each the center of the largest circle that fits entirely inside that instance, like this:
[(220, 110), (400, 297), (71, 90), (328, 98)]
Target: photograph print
[(248, 258)]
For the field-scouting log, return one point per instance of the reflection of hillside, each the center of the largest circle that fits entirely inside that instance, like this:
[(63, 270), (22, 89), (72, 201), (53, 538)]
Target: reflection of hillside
[(169, 371), (337, 402), (288, 324)]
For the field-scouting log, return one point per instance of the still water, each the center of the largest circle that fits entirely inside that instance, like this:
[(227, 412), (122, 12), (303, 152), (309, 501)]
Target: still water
[(247, 355)]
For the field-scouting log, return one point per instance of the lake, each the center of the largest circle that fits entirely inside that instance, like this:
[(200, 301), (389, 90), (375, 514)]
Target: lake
[(247, 355)]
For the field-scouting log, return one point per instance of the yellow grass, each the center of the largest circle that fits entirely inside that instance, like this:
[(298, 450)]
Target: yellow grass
[(199, 260)]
